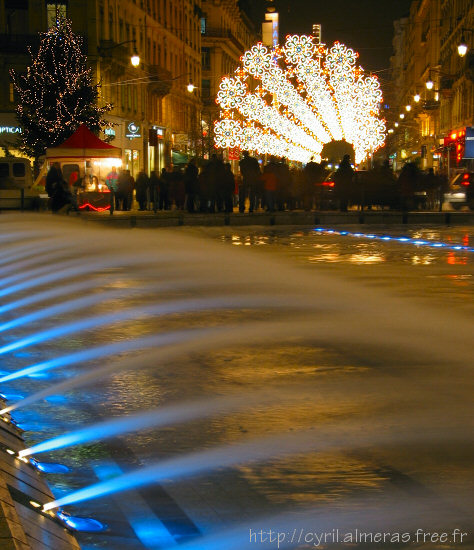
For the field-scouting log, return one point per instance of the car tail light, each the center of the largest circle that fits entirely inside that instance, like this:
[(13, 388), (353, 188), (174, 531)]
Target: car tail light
[(465, 179), (328, 183)]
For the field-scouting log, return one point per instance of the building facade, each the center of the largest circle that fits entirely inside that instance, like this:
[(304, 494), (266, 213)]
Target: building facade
[(156, 119), (227, 33), (432, 99)]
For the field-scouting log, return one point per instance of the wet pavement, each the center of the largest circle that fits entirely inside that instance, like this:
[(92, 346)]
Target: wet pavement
[(342, 363)]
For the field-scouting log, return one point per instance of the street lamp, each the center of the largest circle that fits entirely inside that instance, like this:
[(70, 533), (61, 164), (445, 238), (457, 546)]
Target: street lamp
[(134, 59), (429, 84), (416, 98), (190, 87), (463, 47)]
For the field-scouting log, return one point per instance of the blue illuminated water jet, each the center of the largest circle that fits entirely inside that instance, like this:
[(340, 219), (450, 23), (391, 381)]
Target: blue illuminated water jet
[(159, 417), (65, 307), (167, 308), (46, 295)]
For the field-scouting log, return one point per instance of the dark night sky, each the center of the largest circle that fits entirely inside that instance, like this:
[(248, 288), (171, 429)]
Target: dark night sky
[(364, 25)]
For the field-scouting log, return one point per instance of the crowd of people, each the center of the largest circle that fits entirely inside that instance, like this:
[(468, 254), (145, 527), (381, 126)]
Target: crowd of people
[(274, 186)]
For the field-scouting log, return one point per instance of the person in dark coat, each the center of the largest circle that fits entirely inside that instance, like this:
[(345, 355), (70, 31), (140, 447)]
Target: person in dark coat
[(312, 195), (215, 170), (204, 189), (343, 181), (176, 193), (408, 180), (124, 190), (53, 177), (165, 183), (58, 189), (228, 186), (250, 170), (191, 184), (142, 186), (154, 190)]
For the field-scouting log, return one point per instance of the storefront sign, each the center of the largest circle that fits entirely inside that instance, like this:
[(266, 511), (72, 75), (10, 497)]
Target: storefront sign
[(109, 132), (160, 132), (10, 130), (469, 148), (133, 131)]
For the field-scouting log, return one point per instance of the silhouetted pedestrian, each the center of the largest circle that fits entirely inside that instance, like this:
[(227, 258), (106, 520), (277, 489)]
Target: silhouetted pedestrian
[(250, 170), (142, 186), (343, 182), (191, 184), (228, 186)]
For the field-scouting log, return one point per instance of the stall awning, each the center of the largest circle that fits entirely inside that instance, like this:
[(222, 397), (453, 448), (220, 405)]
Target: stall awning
[(83, 144)]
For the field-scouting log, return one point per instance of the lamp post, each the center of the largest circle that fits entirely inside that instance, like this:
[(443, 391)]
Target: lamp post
[(463, 48), (134, 58)]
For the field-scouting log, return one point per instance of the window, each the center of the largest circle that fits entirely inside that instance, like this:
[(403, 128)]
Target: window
[(4, 170), (206, 58), (206, 89), (203, 25), (19, 170), (54, 11)]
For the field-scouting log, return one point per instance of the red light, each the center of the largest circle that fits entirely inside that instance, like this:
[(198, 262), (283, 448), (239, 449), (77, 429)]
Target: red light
[(97, 209), (454, 136), (465, 179)]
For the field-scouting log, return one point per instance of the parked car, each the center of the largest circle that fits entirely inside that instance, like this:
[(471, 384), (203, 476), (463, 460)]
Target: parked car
[(16, 184), (461, 192)]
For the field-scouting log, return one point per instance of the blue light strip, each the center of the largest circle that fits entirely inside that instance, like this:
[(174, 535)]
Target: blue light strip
[(407, 240)]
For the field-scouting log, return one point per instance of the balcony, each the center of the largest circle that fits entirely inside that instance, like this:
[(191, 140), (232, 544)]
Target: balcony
[(223, 34), (160, 80)]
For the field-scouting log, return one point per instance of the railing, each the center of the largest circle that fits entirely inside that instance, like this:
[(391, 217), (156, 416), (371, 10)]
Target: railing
[(214, 32)]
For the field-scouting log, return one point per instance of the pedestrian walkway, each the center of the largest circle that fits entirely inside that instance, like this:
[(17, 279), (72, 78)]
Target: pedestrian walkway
[(175, 218)]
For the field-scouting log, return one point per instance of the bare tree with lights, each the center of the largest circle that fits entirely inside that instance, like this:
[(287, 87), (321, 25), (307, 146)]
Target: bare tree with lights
[(56, 94)]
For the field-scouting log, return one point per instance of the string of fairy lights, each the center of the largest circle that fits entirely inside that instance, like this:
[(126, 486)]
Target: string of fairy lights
[(56, 93), (289, 101)]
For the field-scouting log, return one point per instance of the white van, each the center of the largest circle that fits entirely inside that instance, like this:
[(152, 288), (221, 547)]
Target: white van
[(15, 184)]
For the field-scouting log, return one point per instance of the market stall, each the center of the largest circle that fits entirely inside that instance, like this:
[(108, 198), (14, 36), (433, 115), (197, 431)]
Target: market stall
[(85, 162)]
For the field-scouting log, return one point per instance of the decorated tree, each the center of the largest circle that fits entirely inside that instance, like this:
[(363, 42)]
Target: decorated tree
[(56, 93)]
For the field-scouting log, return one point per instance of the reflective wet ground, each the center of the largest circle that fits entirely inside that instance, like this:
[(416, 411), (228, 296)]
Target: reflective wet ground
[(351, 353)]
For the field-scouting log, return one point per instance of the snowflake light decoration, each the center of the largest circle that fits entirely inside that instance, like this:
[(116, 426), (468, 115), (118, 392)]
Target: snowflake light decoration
[(291, 100)]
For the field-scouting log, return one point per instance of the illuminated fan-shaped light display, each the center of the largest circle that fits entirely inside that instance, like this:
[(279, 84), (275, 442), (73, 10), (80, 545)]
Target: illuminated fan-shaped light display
[(290, 101)]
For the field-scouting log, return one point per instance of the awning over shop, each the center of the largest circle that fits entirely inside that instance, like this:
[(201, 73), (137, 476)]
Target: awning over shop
[(83, 144)]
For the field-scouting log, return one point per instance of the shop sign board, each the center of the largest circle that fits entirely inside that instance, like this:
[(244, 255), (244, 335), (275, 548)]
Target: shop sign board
[(133, 131), (469, 144), (10, 130)]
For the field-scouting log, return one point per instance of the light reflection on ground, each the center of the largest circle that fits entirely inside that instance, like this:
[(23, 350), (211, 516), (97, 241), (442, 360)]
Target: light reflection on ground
[(362, 391)]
